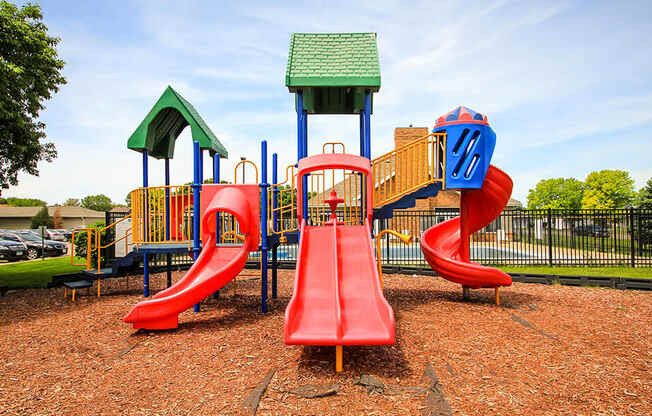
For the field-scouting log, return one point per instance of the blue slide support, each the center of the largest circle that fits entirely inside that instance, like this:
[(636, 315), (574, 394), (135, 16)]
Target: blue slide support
[(216, 179), (263, 226), (196, 188), (145, 259), (274, 224), (168, 257)]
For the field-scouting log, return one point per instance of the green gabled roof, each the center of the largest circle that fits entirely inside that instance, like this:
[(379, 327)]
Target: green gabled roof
[(159, 130), (333, 60)]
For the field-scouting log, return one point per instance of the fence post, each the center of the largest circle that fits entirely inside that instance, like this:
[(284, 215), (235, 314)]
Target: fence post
[(631, 236), (550, 237)]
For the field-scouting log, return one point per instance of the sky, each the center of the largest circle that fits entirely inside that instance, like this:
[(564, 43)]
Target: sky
[(566, 85)]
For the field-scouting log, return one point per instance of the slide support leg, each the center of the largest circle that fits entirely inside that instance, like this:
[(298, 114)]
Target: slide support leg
[(338, 358), (497, 290)]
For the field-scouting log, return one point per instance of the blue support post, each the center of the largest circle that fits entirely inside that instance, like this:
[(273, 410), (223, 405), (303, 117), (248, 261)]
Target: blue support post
[(305, 154), (362, 153), (216, 179), (367, 124), (196, 188), (274, 224), (263, 226), (146, 208), (168, 257), (367, 143), (299, 126)]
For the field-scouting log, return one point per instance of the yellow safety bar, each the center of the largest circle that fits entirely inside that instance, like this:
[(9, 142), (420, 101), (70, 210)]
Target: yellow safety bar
[(149, 215), (243, 162), (406, 238), (332, 145), (99, 246)]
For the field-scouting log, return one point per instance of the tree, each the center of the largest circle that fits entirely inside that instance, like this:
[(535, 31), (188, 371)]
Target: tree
[(30, 72), (42, 218), (557, 193), (644, 199), (57, 221), (97, 202), (608, 189), (25, 202), (72, 202)]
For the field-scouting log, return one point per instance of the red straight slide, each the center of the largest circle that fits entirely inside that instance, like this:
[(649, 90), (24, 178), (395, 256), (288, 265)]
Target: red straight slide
[(215, 266), (337, 298), (446, 245)]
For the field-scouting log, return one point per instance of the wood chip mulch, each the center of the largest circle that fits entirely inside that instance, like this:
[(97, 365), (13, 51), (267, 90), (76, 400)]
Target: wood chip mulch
[(546, 350)]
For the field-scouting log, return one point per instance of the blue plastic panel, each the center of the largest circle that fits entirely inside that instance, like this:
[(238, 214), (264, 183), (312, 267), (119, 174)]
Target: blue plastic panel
[(469, 147)]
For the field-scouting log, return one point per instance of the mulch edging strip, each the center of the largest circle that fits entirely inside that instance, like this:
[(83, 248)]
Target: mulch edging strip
[(253, 399), (436, 404)]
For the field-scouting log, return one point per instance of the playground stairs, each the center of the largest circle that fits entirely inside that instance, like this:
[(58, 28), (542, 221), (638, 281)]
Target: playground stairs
[(409, 172)]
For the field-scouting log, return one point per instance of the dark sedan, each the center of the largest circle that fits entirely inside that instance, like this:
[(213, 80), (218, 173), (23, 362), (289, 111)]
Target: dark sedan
[(12, 250), (34, 244)]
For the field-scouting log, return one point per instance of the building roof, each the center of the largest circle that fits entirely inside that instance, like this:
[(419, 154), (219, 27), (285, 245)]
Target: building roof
[(333, 60), (172, 113), (120, 208), (64, 211)]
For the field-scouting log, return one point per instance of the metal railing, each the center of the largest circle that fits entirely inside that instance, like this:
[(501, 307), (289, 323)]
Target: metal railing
[(150, 222), (408, 168)]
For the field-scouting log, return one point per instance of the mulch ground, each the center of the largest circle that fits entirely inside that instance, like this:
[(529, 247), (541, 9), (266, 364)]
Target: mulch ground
[(546, 350)]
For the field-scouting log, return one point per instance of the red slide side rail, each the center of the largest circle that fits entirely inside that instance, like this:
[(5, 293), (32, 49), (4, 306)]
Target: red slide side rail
[(215, 266), (446, 245)]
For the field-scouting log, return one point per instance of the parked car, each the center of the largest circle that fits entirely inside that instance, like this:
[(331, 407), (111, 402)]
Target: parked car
[(54, 235), (35, 244), (12, 250), (68, 233), (593, 230)]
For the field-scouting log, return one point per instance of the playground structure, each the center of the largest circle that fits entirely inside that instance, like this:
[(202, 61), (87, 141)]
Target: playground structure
[(338, 298)]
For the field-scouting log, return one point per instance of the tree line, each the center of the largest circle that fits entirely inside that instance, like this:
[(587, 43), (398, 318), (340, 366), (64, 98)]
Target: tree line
[(604, 189)]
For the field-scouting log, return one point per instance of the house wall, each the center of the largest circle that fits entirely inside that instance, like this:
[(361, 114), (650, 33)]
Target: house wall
[(22, 223)]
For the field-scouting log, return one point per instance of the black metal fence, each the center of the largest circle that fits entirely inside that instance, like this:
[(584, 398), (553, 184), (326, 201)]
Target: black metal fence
[(528, 237), (520, 237)]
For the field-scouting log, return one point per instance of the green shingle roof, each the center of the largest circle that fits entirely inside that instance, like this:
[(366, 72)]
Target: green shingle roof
[(172, 113), (333, 60)]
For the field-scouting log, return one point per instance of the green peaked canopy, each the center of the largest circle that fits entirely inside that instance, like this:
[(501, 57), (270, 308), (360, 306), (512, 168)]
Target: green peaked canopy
[(171, 114)]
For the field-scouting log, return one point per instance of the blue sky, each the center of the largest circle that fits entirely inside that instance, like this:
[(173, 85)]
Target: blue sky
[(567, 85)]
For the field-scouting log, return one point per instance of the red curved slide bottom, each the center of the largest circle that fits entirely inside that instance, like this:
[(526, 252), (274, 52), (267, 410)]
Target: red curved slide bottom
[(337, 297), (446, 245), (215, 266)]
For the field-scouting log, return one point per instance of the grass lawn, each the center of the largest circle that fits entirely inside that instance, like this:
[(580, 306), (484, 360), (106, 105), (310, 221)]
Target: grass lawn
[(637, 272), (36, 273)]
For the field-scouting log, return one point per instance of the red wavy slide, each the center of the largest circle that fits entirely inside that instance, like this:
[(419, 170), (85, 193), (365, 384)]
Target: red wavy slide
[(215, 266), (337, 298), (446, 245)]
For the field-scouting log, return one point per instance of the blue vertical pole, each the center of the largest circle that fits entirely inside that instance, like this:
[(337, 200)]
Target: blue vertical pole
[(305, 154), (299, 138), (367, 144), (362, 153), (196, 188), (146, 213), (367, 124), (168, 257), (263, 226), (216, 179), (275, 224), (299, 126)]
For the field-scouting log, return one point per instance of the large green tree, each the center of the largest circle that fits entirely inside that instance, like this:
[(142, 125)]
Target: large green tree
[(608, 189), (644, 199), (99, 202), (30, 72), (557, 193)]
